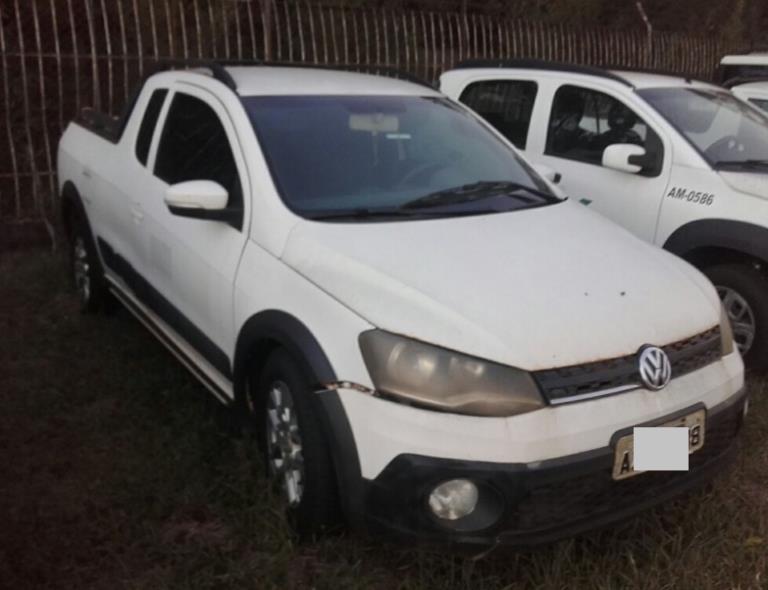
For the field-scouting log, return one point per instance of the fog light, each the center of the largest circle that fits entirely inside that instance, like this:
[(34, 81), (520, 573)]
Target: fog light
[(453, 499)]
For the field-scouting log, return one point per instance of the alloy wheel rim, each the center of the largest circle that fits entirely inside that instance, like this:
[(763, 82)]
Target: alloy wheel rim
[(741, 316), (284, 448), (82, 271)]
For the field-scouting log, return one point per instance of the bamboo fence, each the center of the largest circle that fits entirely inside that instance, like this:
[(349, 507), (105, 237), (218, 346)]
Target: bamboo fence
[(58, 56)]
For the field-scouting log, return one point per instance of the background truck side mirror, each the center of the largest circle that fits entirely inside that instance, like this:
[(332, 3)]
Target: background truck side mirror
[(199, 199), (550, 174), (625, 157)]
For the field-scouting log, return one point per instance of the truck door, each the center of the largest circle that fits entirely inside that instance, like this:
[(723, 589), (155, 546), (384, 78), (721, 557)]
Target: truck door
[(582, 123), (192, 263)]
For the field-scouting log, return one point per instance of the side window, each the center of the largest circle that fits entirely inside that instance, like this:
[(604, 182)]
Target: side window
[(584, 122), (761, 103), (194, 146), (147, 127), (505, 104)]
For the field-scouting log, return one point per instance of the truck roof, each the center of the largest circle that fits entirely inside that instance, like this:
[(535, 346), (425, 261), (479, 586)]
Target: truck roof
[(626, 77), (748, 59), (289, 80), (657, 80), (761, 85)]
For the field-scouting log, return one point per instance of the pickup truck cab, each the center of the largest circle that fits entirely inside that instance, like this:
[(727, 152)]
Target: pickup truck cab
[(680, 163), (427, 337)]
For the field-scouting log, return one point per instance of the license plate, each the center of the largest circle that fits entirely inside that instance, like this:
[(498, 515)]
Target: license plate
[(624, 456)]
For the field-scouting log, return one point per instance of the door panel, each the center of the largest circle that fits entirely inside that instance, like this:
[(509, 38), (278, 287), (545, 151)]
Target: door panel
[(193, 263), (582, 123), (124, 178)]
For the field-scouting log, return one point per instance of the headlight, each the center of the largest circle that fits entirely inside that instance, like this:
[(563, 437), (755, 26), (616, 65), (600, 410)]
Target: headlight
[(444, 379), (726, 332)]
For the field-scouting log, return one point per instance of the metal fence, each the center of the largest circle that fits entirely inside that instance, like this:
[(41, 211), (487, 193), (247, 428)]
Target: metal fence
[(57, 56)]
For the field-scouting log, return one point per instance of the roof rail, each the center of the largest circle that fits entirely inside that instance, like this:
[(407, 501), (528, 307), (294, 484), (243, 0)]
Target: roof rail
[(541, 64), (220, 73)]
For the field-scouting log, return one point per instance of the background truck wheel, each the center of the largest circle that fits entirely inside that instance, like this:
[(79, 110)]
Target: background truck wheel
[(743, 290), (295, 447), (87, 274)]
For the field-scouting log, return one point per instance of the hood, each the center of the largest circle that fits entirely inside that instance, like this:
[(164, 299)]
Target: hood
[(751, 183), (535, 289)]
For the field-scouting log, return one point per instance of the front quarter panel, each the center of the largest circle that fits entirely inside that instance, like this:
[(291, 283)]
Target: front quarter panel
[(266, 283)]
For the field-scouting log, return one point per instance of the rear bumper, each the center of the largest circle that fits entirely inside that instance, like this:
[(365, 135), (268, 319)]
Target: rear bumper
[(533, 503)]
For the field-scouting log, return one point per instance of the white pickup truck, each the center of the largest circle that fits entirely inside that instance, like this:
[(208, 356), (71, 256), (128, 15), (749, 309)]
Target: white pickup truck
[(427, 337), (680, 163)]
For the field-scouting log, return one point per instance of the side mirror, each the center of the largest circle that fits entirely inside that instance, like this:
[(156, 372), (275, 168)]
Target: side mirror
[(550, 174), (624, 157), (200, 199)]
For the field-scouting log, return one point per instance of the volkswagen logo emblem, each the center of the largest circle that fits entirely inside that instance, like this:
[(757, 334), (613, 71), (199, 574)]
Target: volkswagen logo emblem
[(654, 367)]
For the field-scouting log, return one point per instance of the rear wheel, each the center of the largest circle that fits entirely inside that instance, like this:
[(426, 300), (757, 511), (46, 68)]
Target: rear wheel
[(297, 453), (743, 290), (85, 267)]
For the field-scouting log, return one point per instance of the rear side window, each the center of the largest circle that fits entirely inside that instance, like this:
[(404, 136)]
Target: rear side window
[(505, 104), (584, 122), (147, 128), (761, 103), (194, 146)]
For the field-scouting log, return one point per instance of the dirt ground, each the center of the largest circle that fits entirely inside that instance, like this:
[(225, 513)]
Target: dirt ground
[(117, 470)]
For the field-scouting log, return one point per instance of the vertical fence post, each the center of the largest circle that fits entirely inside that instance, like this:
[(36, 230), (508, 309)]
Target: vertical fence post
[(266, 23), (424, 42)]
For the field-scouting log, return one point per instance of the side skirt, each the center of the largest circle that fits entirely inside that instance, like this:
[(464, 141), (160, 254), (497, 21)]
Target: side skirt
[(207, 374)]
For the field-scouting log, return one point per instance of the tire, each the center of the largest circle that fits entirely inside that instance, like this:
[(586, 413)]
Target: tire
[(744, 292), (85, 268), (286, 412)]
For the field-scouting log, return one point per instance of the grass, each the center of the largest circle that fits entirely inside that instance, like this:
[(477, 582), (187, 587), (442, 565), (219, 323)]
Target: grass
[(117, 471)]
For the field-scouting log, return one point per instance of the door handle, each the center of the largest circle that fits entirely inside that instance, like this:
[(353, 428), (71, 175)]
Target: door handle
[(87, 172), (137, 213)]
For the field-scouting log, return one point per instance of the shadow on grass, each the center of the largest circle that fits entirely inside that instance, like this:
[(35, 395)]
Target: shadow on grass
[(117, 470)]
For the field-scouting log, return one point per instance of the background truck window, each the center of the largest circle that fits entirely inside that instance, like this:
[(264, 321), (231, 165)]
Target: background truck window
[(505, 104), (584, 122), (761, 103)]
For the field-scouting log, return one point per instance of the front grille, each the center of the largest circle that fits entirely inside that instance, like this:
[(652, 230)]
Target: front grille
[(564, 383), (593, 494)]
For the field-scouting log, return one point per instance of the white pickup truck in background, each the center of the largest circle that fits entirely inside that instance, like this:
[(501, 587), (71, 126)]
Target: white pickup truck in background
[(681, 163), (428, 339), (755, 92)]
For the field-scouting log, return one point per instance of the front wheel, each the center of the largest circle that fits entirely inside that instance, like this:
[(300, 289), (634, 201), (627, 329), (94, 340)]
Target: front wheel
[(296, 449), (743, 290)]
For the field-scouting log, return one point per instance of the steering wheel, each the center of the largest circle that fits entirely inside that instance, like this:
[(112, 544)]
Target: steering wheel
[(724, 145)]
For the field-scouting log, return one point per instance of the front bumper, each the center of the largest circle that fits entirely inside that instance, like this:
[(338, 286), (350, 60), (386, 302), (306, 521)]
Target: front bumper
[(540, 502)]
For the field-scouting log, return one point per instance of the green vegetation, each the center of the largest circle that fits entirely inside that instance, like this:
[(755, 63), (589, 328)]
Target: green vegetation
[(117, 470)]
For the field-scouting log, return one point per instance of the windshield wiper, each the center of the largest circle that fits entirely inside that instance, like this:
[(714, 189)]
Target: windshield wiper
[(749, 163), (363, 213), (481, 190)]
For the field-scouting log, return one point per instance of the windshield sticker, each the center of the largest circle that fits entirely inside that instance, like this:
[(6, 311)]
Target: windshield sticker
[(691, 196)]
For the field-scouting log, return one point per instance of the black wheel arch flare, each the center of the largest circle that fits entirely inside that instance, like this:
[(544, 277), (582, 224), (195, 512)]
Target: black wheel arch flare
[(692, 240), (272, 328), (71, 201)]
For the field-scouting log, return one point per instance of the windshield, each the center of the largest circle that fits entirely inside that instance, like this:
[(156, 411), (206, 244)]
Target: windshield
[(388, 156), (725, 130)]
